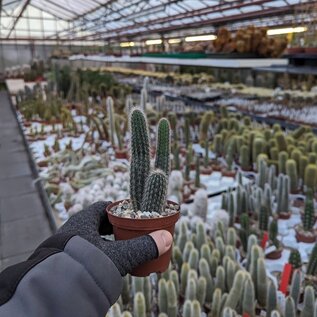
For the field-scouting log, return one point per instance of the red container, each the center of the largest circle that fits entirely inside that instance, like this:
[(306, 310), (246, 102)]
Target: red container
[(129, 228)]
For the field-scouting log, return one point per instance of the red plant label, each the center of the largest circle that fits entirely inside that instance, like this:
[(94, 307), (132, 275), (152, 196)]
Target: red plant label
[(286, 275)]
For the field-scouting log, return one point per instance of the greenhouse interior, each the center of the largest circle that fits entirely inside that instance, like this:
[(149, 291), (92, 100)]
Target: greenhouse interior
[(158, 158)]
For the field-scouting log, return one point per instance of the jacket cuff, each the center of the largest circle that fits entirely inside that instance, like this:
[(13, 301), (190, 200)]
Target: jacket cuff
[(98, 265)]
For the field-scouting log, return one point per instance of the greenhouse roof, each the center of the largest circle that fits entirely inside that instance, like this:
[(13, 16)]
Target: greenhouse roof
[(105, 20)]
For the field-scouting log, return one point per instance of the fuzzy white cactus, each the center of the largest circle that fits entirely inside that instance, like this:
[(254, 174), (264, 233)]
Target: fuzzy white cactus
[(200, 206)]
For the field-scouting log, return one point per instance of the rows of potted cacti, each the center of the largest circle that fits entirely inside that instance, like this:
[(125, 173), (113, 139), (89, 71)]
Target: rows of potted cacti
[(217, 266), (206, 275)]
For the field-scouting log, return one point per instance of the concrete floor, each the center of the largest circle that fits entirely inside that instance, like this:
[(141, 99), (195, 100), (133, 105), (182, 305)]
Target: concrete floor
[(23, 222)]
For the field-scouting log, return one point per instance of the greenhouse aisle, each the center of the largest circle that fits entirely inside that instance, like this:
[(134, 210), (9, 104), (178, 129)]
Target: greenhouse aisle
[(23, 222)]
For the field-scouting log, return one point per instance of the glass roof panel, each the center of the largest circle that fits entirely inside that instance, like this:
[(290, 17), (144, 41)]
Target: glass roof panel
[(108, 18)]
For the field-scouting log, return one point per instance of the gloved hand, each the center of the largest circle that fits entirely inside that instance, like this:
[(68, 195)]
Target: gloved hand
[(92, 222)]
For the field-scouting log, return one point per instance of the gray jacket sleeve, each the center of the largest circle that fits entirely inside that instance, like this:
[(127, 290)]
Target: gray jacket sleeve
[(76, 280)]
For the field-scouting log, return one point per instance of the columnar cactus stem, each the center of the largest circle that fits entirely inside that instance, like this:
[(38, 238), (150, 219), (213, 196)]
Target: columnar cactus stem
[(183, 235), (172, 307), (245, 157), (187, 308), (162, 296), (290, 307), (248, 297), (112, 131), (216, 303), (125, 294), (261, 282), (155, 183), (162, 159), (312, 263), (236, 290), (291, 171), (311, 177), (282, 159), (295, 286), (201, 290), (295, 259), (264, 219), (220, 278), (309, 302), (196, 312), (184, 276), (191, 289), (309, 212), (140, 157), (218, 145), (147, 293), (139, 309), (271, 302), (205, 272), (258, 145), (197, 173), (193, 259), (281, 141), (175, 279)]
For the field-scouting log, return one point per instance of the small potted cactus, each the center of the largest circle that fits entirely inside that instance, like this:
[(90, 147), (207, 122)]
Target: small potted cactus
[(273, 241), (305, 232), (147, 209)]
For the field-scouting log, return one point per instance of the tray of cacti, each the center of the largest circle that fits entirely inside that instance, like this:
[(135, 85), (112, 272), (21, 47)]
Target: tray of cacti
[(147, 210), (305, 232)]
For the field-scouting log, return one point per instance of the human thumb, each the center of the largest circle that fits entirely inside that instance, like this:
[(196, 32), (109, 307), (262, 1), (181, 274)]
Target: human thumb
[(129, 254)]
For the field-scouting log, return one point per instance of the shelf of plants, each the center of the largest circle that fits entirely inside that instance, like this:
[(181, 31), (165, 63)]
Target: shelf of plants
[(250, 251), (208, 62)]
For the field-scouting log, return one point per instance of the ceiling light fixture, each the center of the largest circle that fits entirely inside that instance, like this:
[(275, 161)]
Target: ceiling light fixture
[(126, 44), (153, 42), (298, 29), (209, 37), (174, 41)]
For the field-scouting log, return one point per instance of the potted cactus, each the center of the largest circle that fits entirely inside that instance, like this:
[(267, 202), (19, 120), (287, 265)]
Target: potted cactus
[(305, 232), (147, 209), (274, 242)]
